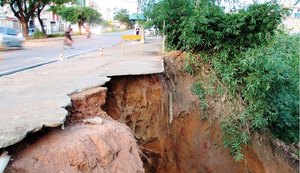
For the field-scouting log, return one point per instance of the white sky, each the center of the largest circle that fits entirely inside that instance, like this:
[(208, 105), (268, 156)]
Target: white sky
[(108, 7), (130, 5)]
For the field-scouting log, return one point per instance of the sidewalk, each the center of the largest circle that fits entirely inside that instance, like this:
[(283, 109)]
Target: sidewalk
[(36, 98)]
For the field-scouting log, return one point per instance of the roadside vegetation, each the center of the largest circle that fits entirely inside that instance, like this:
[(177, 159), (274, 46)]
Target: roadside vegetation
[(251, 54), (123, 17), (25, 10), (68, 10), (79, 15)]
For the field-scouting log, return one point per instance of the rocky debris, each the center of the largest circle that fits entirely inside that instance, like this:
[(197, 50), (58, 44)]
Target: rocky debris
[(95, 120)]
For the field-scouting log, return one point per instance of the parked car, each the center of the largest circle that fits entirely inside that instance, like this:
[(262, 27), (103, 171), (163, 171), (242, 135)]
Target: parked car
[(10, 37)]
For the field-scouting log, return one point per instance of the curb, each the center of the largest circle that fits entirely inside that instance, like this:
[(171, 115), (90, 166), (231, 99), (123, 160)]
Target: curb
[(8, 72), (60, 38), (16, 70), (51, 39)]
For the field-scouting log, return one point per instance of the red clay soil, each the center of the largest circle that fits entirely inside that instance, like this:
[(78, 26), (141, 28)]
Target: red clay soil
[(94, 144), (88, 148), (175, 134)]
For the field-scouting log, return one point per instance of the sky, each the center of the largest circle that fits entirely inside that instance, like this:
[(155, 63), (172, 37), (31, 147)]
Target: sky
[(130, 5), (108, 7)]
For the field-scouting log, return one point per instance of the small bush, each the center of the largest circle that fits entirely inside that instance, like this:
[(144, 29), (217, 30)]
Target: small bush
[(38, 34), (55, 35)]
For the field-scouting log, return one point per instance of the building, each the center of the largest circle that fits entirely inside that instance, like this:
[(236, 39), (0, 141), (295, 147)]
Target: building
[(81, 2), (7, 18), (292, 22), (52, 22)]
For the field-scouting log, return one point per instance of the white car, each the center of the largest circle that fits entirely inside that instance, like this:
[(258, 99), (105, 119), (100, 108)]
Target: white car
[(10, 37)]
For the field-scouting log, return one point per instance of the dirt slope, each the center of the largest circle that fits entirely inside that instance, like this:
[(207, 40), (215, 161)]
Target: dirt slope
[(92, 143)]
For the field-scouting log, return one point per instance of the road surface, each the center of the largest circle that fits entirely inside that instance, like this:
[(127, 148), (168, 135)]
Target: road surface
[(35, 52)]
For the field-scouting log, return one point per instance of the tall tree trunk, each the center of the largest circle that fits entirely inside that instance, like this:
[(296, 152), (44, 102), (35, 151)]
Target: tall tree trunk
[(23, 13), (39, 11), (80, 24), (25, 29)]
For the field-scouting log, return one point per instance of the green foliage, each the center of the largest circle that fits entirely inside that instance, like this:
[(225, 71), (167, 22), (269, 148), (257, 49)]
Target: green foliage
[(212, 29), (268, 80), (22, 10), (173, 13), (38, 34), (189, 63), (122, 16), (236, 134), (25, 10), (249, 53), (55, 35), (79, 14), (198, 89)]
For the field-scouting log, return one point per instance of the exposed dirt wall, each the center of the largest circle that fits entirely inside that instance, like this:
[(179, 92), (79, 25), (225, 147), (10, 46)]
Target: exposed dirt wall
[(175, 134)]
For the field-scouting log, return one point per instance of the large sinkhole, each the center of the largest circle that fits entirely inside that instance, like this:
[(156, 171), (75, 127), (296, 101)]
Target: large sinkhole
[(173, 132)]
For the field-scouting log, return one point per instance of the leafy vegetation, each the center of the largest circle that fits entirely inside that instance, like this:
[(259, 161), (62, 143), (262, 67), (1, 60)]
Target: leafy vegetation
[(38, 34), (198, 89), (43, 4), (123, 16), (25, 10), (79, 15), (256, 60)]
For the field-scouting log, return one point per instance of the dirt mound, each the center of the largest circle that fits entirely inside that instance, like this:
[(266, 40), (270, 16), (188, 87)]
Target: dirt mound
[(91, 143), (89, 147)]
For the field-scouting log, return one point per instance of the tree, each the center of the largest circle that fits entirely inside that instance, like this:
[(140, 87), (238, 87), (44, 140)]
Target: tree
[(79, 15), (44, 3), (122, 16), (23, 10)]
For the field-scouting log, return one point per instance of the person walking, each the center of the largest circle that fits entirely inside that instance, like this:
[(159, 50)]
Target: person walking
[(137, 30), (88, 31), (68, 40)]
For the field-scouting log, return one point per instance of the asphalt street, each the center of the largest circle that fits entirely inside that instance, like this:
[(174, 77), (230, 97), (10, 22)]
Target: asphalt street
[(36, 98), (36, 52)]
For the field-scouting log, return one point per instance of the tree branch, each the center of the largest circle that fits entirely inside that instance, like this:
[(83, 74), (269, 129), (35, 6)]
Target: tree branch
[(11, 4)]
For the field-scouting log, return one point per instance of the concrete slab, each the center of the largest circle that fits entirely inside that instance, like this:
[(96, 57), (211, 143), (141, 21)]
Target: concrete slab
[(36, 98)]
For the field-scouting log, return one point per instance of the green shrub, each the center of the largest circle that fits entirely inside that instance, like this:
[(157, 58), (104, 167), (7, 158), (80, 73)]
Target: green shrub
[(56, 35), (257, 61), (38, 34), (268, 80), (198, 89)]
